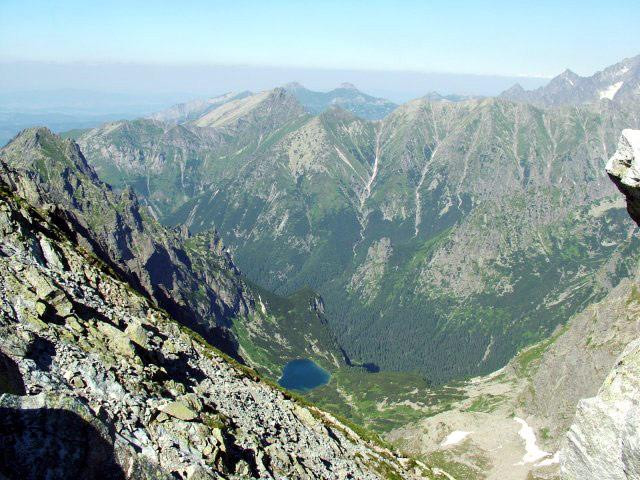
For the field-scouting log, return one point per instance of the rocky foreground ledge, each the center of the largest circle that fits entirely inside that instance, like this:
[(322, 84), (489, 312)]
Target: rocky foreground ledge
[(604, 439), (96, 382)]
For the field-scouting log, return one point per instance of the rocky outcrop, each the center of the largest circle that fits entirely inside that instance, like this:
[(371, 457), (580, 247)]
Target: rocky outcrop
[(603, 441), (194, 279), (576, 361), (96, 382), (624, 169)]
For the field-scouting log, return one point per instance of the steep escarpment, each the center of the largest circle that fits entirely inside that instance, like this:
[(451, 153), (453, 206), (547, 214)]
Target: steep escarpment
[(192, 276), (203, 292), (97, 382), (603, 440)]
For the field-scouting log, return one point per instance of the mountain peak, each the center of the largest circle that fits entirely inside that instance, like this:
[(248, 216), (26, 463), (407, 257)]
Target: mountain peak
[(566, 79), (433, 95), (294, 86), (278, 104), (617, 83), (276, 92), (32, 145), (34, 135), (569, 74), (515, 88), (347, 86)]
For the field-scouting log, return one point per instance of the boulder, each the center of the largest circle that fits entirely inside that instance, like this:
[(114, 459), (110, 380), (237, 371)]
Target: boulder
[(624, 169), (179, 410)]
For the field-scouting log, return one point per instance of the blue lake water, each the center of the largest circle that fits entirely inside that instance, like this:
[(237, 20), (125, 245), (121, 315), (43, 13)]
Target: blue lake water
[(303, 375)]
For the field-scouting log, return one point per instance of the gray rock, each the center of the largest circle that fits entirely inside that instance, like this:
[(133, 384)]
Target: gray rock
[(187, 414), (604, 440), (624, 169), (179, 410)]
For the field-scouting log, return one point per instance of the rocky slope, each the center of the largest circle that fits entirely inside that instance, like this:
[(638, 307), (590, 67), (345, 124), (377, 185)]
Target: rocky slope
[(543, 386), (395, 214), (144, 396), (203, 292), (619, 83), (185, 112), (191, 276), (603, 440), (624, 170)]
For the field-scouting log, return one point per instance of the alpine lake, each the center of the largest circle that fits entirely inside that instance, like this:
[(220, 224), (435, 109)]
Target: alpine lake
[(303, 375)]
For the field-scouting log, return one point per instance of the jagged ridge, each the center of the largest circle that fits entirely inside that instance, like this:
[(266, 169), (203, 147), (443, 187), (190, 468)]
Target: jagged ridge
[(80, 349)]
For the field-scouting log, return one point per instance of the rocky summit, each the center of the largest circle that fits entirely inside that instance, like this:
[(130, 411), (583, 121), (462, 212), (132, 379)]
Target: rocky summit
[(97, 382)]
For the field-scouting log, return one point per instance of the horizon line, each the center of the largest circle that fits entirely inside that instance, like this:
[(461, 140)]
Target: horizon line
[(239, 65)]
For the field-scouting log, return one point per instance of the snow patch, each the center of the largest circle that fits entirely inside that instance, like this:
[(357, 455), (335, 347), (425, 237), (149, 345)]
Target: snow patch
[(263, 309), (344, 158), (533, 452), (549, 461), (454, 438), (611, 91)]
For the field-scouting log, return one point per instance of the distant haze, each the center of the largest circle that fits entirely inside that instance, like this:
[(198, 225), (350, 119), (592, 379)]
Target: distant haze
[(162, 84)]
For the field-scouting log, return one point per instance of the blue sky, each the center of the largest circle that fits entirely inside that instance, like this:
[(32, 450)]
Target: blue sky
[(511, 38)]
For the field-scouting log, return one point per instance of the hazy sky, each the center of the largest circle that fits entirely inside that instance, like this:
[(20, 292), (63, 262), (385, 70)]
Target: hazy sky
[(396, 49), (532, 38)]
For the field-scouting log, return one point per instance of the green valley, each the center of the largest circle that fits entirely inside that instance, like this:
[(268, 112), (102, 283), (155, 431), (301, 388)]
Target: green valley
[(389, 220)]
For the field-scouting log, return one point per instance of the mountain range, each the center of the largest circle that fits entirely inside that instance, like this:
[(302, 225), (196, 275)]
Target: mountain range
[(462, 268), (387, 220), (346, 96), (618, 83)]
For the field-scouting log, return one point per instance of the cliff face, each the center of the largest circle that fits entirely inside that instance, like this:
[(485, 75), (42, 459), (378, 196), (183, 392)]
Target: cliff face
[(603, 441), (96, 382), (201, 291), (624, 169)]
